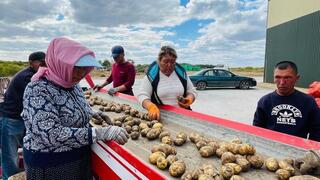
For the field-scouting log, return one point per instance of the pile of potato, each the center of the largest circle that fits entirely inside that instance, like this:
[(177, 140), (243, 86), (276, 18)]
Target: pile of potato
[(236, 156), (163, 156)]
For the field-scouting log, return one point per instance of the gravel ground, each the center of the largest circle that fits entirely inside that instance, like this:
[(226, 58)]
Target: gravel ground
[(227, 103)]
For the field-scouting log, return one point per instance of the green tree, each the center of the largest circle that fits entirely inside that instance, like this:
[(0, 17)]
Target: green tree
[(106, 63)]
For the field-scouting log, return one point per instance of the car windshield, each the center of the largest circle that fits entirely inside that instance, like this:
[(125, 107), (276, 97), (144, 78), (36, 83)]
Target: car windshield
[(199, 73)]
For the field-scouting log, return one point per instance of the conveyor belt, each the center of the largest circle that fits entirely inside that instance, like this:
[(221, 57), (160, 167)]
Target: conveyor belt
[(175, 123)]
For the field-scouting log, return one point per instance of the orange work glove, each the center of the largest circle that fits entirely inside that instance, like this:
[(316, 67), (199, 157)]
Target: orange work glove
[(153, 111), (184, 102)]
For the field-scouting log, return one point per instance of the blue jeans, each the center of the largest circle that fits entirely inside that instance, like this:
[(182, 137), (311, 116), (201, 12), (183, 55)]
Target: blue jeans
[(12, 132)]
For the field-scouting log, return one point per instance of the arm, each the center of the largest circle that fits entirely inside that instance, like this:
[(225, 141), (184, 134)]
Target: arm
[(314, 122), (144, 97), (260, 117), (108, 81), (185, 102)]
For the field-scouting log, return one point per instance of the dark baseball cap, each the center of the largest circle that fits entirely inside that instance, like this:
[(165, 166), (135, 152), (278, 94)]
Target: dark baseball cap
[(116, 50), (37, 56)]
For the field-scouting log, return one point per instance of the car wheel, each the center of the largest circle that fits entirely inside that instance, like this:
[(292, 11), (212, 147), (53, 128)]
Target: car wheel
[(244, 85), (201, 85)]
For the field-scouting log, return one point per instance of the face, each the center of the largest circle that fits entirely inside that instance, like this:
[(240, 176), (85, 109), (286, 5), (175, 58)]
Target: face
[(36, 64), (285, 79), (119, 59), (79, 73), (167, 64)]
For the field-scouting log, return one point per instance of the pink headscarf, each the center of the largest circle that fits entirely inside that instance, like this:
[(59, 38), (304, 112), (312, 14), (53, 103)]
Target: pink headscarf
[(62, 54)]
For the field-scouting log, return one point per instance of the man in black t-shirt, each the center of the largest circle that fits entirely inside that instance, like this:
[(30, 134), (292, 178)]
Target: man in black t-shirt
[(288, 110), (11, 123)]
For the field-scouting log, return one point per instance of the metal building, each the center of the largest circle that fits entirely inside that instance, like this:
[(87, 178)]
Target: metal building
[(293, 33)]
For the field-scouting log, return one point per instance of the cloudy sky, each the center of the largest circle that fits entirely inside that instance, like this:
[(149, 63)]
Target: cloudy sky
[(230, 32)]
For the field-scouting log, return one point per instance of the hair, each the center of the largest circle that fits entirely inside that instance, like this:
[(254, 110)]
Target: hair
[(286, 64), (167, 50)]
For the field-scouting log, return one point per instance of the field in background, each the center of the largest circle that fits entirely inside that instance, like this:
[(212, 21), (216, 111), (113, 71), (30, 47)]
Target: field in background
[(243, 71)]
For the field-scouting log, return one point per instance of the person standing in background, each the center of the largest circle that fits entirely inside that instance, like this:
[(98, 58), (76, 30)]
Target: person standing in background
[(122, 74), (288, 110), (12, 128), (166, 82)]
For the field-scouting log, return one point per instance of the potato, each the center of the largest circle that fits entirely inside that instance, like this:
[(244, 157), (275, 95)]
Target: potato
[(205, 177), (200, 143), (179, 141), (157, 125), (128, 118), (227, 157), (247, 149), (127, 111), (163, 134), (196, 173), (289, 161), (236, 177), (154, 157), (143, 125), (226, 171), (194, 137), (135, 128), (96, 121), (210, 170), (117, 109), (167, 140), (153, 133), (136, 121), (214, 145), (128, 129), (220, 151), (187, 176), (134, 135), (165, 148), (206, 151), (106, 118), (171, 159), (149, 124), (255, 161), (118, 123), (129, 123), (236, 168), (145, 131), (177, 168), (154, 122), (236, 141), (182, 135), (234, 148), (243, 163), (271, 164), (162, 163), (283, 174), (285, 165)]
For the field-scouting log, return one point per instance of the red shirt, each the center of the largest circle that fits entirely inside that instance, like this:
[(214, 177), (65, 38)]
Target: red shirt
[(123, 74)]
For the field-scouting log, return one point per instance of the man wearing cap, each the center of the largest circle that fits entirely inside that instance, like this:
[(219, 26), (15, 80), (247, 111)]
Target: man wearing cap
[(12, 126), (122, 75)]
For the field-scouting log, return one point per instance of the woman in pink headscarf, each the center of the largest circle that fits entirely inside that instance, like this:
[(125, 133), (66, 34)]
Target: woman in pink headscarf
[(56, 115)]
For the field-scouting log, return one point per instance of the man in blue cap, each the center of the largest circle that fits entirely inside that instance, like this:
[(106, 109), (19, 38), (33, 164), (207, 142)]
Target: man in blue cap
[(11, 124), (122, 75)]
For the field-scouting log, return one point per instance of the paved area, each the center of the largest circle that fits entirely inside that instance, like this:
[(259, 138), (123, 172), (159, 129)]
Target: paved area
[(227, 103)]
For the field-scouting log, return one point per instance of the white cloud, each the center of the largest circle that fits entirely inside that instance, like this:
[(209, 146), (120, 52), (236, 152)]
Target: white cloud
[(235, 37)]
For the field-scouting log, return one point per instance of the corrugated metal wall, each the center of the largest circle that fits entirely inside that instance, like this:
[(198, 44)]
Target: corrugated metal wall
[(297, 40)]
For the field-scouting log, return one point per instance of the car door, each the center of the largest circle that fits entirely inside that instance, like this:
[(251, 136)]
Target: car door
[(225, 78), (211, 78)]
